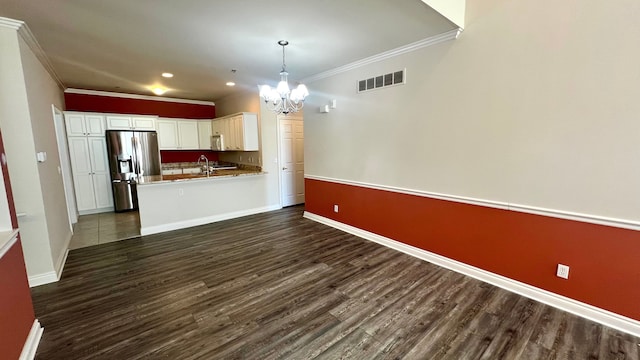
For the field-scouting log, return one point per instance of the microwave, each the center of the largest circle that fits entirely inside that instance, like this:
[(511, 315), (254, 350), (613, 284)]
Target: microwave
[(217, 142)]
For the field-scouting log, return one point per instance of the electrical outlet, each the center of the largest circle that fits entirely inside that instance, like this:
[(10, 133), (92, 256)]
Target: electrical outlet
[(335, 208), (563, 271)]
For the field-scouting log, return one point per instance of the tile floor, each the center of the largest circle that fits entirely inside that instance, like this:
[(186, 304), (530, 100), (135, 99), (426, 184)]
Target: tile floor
[(104, 228)]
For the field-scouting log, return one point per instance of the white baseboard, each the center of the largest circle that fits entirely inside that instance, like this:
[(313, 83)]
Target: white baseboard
[(51, 276), (31, 344), (96, 211), (204, 220), (62, 260), (587, 311), (42, 279)]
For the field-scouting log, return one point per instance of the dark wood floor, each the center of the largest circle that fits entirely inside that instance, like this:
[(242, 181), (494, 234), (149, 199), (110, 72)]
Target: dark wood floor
[(277, 286)]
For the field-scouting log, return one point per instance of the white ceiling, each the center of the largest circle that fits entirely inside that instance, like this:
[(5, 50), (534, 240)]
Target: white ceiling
[(125, 45)]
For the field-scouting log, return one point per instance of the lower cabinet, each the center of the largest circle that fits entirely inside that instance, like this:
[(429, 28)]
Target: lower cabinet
[(91, 177)]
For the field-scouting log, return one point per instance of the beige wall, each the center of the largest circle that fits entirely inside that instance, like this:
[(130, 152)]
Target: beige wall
[(27, 92), (21, 158), (42, 92), (535, 104)]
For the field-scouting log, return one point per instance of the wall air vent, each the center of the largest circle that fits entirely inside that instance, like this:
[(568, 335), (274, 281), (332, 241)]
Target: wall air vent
[(376, 82)]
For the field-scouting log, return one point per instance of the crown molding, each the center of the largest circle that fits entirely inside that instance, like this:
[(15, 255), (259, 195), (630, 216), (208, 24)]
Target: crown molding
[(136, 96), (28, 37), (10, 23), (433, 40)]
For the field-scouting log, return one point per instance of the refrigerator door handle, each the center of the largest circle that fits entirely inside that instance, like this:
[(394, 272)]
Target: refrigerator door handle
[(137, 152)]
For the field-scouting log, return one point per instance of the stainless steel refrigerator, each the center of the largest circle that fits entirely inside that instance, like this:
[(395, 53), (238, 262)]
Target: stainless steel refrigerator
[(131, 154)]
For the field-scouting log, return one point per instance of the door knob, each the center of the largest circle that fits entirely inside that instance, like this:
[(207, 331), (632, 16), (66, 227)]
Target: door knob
[(284, 168)]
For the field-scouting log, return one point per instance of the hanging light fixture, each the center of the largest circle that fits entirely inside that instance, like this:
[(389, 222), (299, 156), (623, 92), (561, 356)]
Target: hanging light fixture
[(282, 100)]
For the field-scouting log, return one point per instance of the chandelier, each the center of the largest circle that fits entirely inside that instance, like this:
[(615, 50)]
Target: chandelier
[(282, 100)]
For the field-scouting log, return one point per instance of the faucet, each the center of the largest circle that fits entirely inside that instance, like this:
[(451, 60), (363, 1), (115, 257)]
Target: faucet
[(202, 157)]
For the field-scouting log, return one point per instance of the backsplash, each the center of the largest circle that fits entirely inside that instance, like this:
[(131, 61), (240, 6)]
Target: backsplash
[(194, 164), (177, 156), (251, 158)]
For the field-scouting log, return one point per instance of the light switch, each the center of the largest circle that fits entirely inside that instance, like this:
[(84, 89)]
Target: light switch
[(41, 156)]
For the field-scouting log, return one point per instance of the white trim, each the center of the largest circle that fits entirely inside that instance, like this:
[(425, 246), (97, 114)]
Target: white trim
[(432, 40), (43, 279), (95, 211), (205, 220), (62, 260), (56, 274), (32, 342), (587, 311), (28, 37), (560, 214), (10, 23), (33, 44), (136, 96), (11, 237)]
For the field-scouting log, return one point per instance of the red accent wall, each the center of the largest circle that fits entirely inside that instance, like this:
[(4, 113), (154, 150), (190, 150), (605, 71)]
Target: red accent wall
[(16, 308), (171, 156), (108, 104), (604, 261)]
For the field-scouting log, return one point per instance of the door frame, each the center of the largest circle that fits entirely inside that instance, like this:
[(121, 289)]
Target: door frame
[(65, 166)]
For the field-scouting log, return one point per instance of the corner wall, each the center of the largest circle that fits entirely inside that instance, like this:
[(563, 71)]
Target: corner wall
[(15, 121), (42, 92), (534, 107)]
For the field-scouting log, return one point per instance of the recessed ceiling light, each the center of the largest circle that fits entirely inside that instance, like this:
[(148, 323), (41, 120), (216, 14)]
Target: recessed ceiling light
[(167, 75), (158, 90), (231, 83)]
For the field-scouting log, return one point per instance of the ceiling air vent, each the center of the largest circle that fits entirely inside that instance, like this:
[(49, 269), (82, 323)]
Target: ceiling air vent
[(376, 82)]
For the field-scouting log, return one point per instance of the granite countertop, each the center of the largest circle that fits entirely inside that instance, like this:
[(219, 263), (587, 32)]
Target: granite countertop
[(218, 174)]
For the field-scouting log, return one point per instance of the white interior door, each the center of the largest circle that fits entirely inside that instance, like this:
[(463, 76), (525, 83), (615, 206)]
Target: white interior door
[(291, 160), (65, 166)]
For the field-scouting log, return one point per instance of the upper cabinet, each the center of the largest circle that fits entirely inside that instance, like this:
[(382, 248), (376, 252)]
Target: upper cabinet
[(179, 134), (239, 131), (204, 134), (79, 124), (134, 122), (167, 134)]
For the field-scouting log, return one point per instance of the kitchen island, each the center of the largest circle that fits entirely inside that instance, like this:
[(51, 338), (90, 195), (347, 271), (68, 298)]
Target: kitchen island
[(171, 202)]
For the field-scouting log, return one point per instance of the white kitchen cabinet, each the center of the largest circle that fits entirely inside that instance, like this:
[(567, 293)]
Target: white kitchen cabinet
[(81, 124), (188, 134), (167, 134), (91, 177), (229, 134), (247, 132), (178, 134), (239, 131), (216, 127), (123, 122), (204, 134), (143, 123)]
